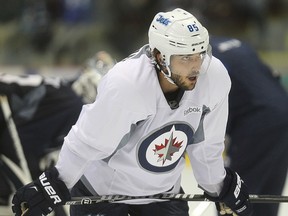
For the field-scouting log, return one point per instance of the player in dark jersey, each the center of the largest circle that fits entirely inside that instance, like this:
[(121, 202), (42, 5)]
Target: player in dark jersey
[(257, 123), (43, 110)]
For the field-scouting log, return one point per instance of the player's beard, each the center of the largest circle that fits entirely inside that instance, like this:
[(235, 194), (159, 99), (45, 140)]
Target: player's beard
[(180, 82)]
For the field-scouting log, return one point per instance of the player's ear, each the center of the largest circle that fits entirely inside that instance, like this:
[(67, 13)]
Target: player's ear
[(160, 60)]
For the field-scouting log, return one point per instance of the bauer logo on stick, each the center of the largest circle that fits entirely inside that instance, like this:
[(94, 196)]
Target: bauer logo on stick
[(86, 201)]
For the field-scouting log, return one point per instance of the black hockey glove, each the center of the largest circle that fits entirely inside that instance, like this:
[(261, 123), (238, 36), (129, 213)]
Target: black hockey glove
[(41, 196), (234, 195)]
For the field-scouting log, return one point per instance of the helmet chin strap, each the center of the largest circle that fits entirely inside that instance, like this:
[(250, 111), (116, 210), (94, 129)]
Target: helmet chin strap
[(169, 78), (168, 75), (162, 67)]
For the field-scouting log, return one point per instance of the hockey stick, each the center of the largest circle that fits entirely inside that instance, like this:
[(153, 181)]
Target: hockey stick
[(185, 197), (14, 134), (13, 172)]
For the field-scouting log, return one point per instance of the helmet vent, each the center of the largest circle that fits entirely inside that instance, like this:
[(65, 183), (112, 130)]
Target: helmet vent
[(195, 35), (177, 44)]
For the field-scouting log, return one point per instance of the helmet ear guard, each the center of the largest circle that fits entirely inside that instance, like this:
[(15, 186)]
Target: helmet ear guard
[(177, 32), (161, 65)]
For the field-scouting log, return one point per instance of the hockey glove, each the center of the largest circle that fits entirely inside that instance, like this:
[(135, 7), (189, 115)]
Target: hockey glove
[(234, 194), (41, 196)]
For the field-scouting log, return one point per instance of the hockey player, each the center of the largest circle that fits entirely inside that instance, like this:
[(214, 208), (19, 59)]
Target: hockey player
[(43, 110), (36, 103), (93, 70), (168, 98), (258, 121)]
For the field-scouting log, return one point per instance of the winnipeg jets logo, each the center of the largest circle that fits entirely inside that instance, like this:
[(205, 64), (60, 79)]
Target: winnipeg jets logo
[(163, 20), (166, 151), (162, 150)]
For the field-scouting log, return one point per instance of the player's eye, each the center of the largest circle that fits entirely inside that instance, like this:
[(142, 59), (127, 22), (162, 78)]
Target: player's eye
[(186, 58)]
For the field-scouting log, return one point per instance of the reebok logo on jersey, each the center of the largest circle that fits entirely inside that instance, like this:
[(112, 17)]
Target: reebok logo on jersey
[(192, 110)]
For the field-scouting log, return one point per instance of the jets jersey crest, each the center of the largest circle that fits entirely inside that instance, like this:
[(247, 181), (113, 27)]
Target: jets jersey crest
[(161, 150)]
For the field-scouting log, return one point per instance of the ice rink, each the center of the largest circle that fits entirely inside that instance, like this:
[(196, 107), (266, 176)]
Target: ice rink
[(208, 209)]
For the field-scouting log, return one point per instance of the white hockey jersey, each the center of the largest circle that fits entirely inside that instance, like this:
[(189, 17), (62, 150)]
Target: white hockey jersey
[(130, 142)]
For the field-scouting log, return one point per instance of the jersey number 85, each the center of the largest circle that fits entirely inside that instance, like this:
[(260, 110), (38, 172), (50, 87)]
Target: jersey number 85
[(193, 27)]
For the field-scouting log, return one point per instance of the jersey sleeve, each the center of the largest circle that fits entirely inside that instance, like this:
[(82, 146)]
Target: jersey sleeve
[(206, 157), (100, 128)]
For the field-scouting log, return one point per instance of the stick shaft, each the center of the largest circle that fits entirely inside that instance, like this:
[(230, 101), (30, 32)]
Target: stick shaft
[(184, 197), (14, 135)]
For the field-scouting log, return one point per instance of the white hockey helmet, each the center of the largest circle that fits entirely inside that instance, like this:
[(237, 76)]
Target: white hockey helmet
[(177, 32)]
